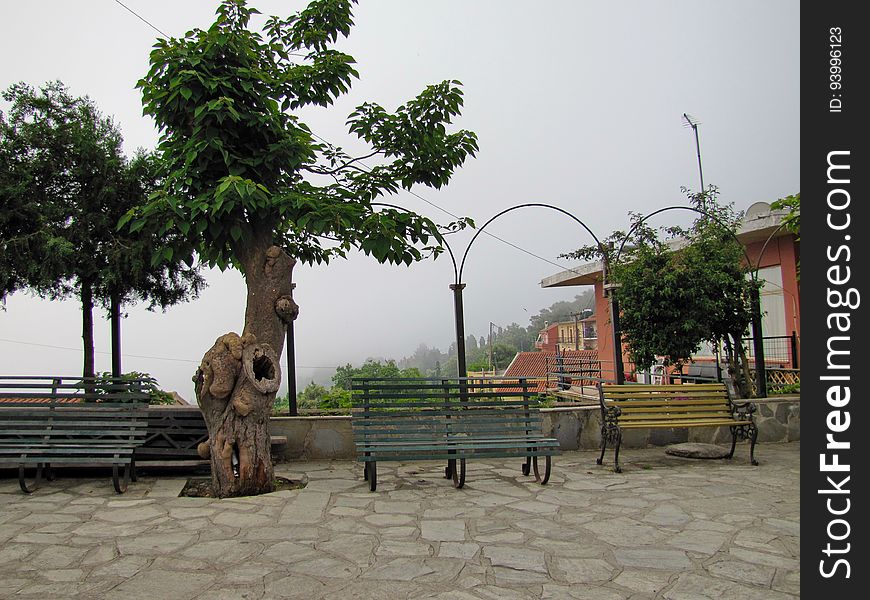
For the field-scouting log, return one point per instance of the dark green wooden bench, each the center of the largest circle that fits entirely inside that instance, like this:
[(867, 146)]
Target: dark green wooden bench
[(54, 421), (451, 420), (174, 432), (632, 406)]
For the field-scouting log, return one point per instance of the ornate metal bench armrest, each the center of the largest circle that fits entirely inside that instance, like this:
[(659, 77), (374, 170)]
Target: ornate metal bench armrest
[(611, 414), (742, 410)]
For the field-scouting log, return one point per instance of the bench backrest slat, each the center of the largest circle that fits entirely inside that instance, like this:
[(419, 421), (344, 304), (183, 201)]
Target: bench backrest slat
[(415, 408), (32, 389), (71, 428), (666, 402)]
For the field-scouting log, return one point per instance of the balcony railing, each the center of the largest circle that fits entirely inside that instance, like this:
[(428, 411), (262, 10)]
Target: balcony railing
[(575, 373)]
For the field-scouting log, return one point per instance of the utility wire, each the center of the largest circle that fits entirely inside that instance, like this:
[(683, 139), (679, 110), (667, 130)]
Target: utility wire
[(187, 360), (455, 216), (141, 18)]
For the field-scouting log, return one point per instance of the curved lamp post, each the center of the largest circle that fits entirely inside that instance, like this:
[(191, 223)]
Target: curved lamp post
[(457, 286)]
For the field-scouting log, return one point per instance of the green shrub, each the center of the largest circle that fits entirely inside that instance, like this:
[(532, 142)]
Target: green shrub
[(788, 388), (155, 395)]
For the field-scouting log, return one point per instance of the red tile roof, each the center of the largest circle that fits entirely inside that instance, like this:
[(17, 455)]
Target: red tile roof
[(534, 364)]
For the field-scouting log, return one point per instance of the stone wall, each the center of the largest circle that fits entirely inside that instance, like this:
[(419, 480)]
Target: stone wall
[(576, 428), (315, 437)]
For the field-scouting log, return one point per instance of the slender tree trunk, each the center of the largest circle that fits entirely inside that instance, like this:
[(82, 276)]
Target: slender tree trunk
[(239, 376), (115, 319), (746, 380), (87, 297), (738, 366)]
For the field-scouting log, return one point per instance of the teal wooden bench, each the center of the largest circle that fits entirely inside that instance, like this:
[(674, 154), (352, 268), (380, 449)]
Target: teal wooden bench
[(451, 420), (54, 421)]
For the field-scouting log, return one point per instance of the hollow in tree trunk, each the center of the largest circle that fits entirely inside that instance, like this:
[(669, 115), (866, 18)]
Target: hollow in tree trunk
[(239, 376)]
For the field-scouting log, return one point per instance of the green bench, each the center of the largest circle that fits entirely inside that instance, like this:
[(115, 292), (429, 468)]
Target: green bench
[(451, 420), (174, 433), (53, 421), (632, 406)]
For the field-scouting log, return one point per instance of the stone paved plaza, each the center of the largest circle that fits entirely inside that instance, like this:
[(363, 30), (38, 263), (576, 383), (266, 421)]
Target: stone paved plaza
[(666, 527)]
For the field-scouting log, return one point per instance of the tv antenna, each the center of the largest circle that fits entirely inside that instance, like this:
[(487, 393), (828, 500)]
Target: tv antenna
[(692, 122)]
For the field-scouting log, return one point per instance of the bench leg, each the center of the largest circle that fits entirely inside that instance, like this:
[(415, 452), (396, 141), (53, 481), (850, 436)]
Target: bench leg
[(119, 483), (450, 469), (459, 477), (133, 476), (373, 474), (365, 471), (753, 437), (547, 465), (49, 472), (616, 466), (29, 489), (527, 466), (733, 442), (603, 446)]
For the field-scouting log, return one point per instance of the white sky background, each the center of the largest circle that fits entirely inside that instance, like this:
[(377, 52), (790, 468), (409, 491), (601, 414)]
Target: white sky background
[(576, 103)]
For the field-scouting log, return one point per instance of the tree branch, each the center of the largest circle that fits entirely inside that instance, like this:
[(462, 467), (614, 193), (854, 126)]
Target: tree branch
[(343, 166)]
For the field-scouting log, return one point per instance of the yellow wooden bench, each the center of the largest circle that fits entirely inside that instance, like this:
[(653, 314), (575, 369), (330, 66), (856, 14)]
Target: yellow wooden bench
[(634, 406)]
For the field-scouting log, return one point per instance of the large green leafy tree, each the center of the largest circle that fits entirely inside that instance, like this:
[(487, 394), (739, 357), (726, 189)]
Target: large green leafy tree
[(250, 186), (64, 185)]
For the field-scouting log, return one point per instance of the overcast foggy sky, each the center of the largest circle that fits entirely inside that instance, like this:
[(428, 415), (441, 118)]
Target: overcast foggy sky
[(576, 103)]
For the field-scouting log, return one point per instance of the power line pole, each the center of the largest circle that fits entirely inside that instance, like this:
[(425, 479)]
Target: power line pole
[(576, 331), (490, 344)]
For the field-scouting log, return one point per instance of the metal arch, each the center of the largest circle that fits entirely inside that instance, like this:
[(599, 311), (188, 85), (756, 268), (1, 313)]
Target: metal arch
[(443, 239), (763, 248), (693, 209), (512, 208), (705, 213)]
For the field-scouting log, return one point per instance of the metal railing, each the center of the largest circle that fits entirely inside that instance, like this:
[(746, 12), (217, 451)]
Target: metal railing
[(572, 372), (780, 351)]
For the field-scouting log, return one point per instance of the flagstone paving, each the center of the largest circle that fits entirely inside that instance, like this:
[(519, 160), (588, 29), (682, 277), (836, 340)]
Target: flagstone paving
[(666, 528)]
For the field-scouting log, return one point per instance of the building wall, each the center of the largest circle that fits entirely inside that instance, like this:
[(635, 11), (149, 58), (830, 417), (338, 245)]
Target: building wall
[(549, 338), (604, 326), (783, 251)]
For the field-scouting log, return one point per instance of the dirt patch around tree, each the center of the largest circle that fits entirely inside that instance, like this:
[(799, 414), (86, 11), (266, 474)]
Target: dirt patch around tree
[(200, 487)]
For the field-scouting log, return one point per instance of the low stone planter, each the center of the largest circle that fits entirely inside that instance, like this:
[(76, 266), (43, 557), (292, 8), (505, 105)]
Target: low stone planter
[(316, 437)]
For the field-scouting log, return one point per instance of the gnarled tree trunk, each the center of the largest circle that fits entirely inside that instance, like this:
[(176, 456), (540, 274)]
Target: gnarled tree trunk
[(239, 376)]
